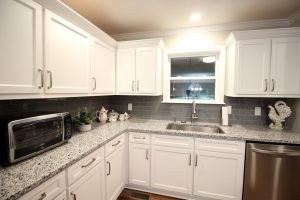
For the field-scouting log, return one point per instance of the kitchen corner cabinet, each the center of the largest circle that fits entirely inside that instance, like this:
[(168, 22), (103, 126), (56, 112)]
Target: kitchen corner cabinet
[(91, 186), (263, 63), (103, 68), (139, 67), (21, 61), (67, 56)]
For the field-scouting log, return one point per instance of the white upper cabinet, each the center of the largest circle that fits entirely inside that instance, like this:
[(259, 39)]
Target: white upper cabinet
[(285, 70), (254, 64), (67, 56), (21, 47), (125, 71), (263, 63), (139, 67), (103, 68)]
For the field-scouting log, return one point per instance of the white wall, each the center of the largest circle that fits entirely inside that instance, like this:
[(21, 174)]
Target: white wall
[(198, 41)]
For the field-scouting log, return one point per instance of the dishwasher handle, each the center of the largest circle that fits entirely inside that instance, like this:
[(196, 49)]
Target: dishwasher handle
[(276, 153)]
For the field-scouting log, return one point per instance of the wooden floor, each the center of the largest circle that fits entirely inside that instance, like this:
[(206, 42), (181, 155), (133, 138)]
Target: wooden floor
[(137, 195)]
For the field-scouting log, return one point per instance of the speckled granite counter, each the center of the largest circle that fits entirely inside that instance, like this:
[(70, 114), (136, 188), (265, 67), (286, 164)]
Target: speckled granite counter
[(18, 179)]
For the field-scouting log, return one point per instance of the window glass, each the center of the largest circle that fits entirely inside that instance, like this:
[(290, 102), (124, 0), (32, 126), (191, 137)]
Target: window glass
[(199, 66), (193, 89)]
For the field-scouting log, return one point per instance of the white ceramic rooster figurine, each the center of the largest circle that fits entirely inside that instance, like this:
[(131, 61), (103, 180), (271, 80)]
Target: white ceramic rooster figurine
[(279, 115)]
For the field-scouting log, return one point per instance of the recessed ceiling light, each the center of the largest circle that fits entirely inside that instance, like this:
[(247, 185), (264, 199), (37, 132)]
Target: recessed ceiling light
[(195, 17)]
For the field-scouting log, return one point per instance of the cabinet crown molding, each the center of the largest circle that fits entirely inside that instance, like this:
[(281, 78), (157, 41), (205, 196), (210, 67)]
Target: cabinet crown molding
[(141, 43), (261, 34)]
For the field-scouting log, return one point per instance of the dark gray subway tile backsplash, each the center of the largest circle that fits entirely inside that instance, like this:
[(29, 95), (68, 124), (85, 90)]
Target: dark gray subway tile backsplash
[(144, 107)]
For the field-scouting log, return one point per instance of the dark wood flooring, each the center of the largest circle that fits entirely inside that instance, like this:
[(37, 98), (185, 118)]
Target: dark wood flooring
[(138, 195)]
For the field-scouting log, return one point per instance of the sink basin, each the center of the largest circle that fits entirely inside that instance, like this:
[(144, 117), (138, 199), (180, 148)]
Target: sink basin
[(195, 128)]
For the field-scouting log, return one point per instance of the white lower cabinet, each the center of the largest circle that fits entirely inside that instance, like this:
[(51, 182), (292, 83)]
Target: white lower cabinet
[(139, 164), (172, 169), (62, 196), (50, 190), (115, 173), (219, 175), (91, 186)]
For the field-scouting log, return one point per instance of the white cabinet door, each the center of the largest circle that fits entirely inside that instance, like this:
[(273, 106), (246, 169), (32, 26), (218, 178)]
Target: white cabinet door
[(253, 61), (285, 67), (103, 68), (139, 164), (21, 46), (218, 175), (172, 169), (67, 56), (91, 186), (126, 71), (115, 173), (146, 66)]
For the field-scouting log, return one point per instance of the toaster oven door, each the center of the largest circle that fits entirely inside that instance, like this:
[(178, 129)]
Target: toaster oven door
[(34, 135)]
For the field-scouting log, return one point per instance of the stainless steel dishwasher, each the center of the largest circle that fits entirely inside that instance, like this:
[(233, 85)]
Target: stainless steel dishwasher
[(272, 172)]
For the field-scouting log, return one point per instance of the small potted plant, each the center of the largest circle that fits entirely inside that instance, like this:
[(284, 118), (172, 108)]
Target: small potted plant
[(84, 120)]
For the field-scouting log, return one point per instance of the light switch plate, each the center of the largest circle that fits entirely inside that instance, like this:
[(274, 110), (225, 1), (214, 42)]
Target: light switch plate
[(257, 111), (129, 106), (229, 108)]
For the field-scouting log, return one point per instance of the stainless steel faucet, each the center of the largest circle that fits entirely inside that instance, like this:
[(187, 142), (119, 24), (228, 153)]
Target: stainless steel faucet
[(194, 112)]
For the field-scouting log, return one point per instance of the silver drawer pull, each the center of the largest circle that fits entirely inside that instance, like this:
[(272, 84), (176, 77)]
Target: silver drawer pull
[(50, 86), (138, 86), (132, 86), (196, 160), (190, 160), (74, 195), (139, 138), (84, 166), (116, 143), (43, 196)]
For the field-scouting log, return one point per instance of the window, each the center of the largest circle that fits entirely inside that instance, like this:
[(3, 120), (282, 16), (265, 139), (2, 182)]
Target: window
[(189, 77)]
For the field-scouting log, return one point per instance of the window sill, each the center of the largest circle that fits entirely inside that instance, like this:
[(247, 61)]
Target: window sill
[(197, 101)]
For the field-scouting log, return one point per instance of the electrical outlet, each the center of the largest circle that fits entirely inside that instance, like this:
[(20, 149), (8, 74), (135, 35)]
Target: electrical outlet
[(130, 106), (229, 108), (257, 111)]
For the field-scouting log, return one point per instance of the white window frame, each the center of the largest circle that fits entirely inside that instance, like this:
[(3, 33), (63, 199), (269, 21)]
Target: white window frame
[(219, 76)]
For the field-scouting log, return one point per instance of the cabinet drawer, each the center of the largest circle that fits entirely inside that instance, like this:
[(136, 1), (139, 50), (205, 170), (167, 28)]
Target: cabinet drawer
[(83, 166), (142, 138), (114, 144), (224, 146), (48, 190), (173, 141)]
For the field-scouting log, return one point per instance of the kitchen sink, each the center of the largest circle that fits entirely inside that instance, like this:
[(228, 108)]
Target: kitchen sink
[(195, 128)]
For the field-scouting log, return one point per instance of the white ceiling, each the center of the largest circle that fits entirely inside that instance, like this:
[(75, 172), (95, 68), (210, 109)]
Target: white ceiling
[(129, 16)]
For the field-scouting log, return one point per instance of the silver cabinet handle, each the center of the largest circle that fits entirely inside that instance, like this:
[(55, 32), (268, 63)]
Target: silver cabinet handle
[(108, 173), (88, 164), (132, 86), (137, 85), (42, 78), (139, 138), (74, 195), (196, 160), (147, 154), (190, 160), (49, 72), (266, 85), (273, 85), (43, 196), (116, 143), (95, 83)]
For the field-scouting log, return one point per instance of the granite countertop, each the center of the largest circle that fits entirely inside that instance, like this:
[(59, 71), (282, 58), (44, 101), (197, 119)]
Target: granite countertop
[(20, 178)]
